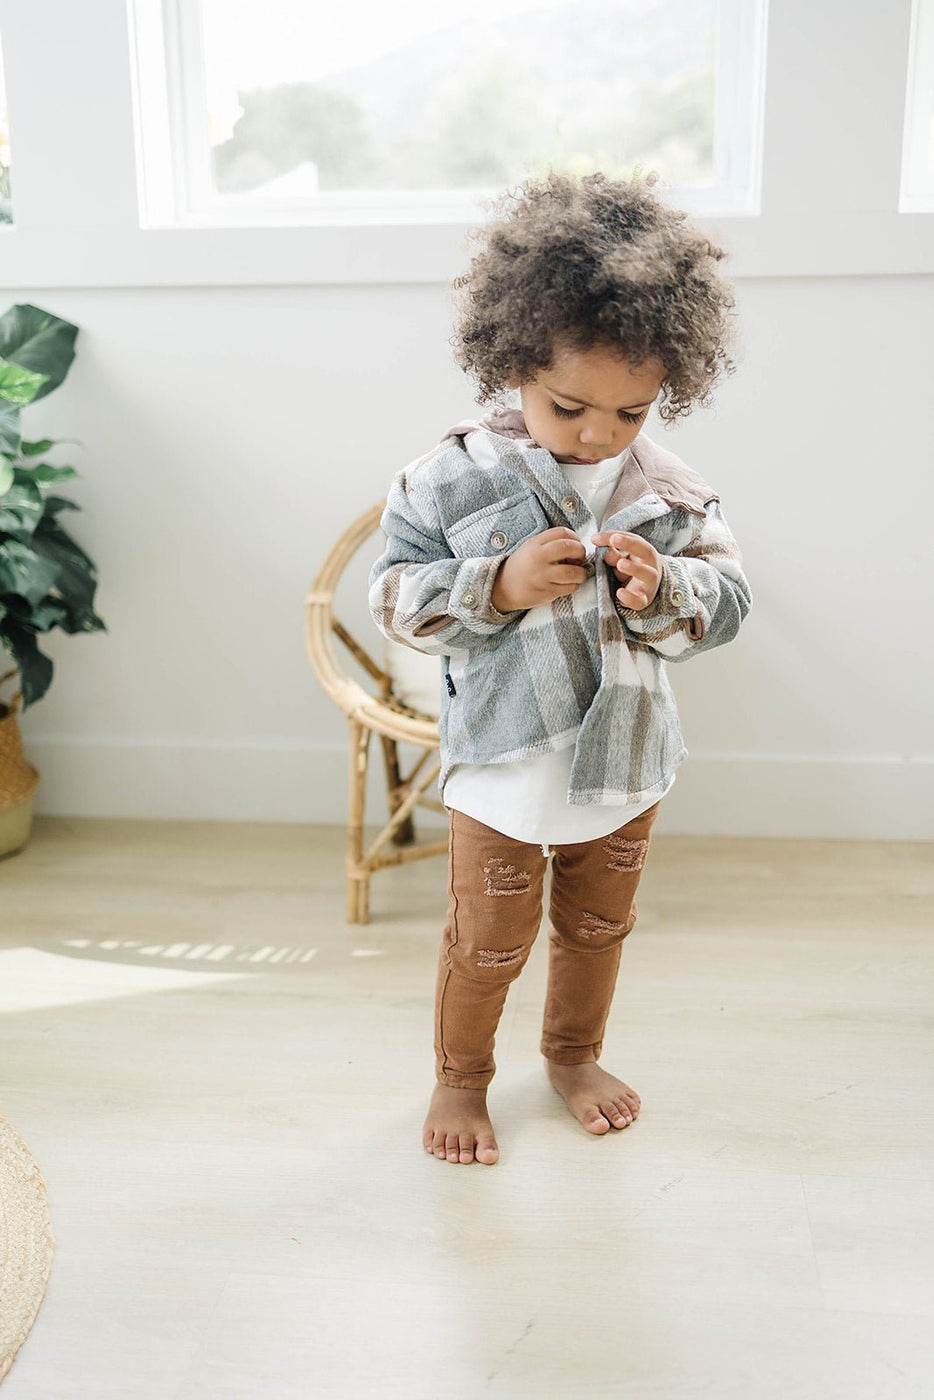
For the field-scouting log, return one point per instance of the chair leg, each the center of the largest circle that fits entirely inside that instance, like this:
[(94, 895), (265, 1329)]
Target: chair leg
[(404, 835), (363, 901), (358, 878), (358, 900)]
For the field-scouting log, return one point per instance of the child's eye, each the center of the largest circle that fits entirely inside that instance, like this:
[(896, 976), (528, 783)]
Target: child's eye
[(576, 413)]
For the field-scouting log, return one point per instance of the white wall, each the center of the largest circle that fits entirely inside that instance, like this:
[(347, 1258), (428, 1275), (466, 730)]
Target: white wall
[(230, 434), (233, 427)]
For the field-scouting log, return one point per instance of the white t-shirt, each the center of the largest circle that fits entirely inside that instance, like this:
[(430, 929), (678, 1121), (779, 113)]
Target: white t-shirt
[(527, 798)]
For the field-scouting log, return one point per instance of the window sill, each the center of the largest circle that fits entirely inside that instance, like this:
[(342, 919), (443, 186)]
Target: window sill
[(824, 245)]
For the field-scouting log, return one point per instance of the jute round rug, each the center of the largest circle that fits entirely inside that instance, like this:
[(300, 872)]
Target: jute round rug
[(26, 1243)]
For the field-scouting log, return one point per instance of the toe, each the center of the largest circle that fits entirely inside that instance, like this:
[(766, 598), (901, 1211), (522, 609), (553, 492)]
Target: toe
[(618, 1113), (595, 1122), (466, 1147), (487, 1151), (453, 1149)]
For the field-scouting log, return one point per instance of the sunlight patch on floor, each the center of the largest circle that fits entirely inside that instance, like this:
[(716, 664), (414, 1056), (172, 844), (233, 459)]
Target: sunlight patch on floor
[(194, 952), (33, 978)]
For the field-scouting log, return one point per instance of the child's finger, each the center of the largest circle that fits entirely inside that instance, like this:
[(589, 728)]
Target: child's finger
[(558, 532), (618, 539), (613, 552), (613, 557), (632, 597), (565, 548), (623, 546), (628, 564), (566, 573)]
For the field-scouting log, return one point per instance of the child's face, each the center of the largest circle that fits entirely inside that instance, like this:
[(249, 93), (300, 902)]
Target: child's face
[(590, 404)]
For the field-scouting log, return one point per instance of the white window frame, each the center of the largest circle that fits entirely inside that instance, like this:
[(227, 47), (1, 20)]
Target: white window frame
[(833, 124), (178, 191), (917, 187)]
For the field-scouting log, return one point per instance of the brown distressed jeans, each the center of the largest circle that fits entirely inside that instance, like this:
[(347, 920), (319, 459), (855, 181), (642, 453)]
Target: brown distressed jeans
[(493, 919)]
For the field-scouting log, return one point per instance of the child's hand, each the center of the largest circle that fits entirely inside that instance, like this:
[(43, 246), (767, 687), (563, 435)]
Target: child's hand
[(635, 563), (545, 567)]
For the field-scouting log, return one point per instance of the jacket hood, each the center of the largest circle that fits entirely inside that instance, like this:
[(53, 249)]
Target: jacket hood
[(504, 422), (661, 471)]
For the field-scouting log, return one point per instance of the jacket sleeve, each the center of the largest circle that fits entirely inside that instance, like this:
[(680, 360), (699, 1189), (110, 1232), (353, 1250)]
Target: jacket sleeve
[(703, 595), (422, 595)]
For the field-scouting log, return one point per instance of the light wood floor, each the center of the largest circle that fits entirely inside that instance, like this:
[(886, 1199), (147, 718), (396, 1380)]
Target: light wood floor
[(224, 1085)]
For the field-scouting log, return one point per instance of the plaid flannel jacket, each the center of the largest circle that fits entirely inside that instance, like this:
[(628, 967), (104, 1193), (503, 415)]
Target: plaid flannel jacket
[(580, 670)]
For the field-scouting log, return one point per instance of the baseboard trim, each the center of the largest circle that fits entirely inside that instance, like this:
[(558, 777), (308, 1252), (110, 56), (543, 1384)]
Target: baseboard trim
[(884, 798)]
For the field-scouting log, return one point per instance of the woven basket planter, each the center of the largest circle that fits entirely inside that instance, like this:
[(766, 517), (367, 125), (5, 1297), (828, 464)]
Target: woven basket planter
[(18, 783)]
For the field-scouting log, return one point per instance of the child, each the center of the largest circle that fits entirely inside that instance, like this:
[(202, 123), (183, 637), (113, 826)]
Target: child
[(554, 560)]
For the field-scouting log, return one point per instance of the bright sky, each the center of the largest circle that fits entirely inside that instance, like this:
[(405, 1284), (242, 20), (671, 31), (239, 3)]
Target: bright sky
[(279, 41)]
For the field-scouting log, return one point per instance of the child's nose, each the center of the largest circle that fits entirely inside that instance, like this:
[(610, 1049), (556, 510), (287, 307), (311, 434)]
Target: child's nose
[(599, 436)]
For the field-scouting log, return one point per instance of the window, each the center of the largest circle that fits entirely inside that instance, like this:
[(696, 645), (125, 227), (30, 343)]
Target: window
[(415, 112), (825, 124), (917, 187)]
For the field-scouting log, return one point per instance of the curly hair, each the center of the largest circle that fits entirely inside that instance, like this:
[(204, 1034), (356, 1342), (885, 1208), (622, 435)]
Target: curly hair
[(579, 261)]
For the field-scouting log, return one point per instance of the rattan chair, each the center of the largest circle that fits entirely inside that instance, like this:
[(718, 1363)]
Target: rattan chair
[(382, 713)]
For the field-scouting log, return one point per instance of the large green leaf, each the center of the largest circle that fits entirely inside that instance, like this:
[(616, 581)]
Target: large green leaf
[(6, 474), (37, 340), (35, 669), (28, 571), (18, 385), (45, 473), (52, 611), (55, 504), (21, 507), (77, 576), (9, 428), (34, 449)]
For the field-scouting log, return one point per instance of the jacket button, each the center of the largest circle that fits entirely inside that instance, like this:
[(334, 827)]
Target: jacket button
[(469, 600), (499, 540), (569, 503), (589, 569), (677, 596)]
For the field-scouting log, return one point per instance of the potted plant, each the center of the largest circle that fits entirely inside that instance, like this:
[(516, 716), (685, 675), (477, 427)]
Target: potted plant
[(46, 580)]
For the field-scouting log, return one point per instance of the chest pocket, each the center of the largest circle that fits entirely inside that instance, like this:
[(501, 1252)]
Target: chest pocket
[(498, 528)]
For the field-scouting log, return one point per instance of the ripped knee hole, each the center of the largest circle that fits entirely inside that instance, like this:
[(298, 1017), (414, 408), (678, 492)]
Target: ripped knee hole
[(594, 926), (503, 879), (496, 957), (625, 854)]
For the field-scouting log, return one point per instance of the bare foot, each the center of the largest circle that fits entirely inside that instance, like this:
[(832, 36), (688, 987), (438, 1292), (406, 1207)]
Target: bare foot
[(458, 1126), (595, 1098)]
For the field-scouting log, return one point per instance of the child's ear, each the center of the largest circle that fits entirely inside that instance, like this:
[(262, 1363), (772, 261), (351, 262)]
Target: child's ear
[(512, 382)]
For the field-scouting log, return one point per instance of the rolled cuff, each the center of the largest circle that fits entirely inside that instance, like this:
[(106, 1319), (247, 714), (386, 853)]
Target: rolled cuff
[(675, 596), (470, 601), (472, 595)]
